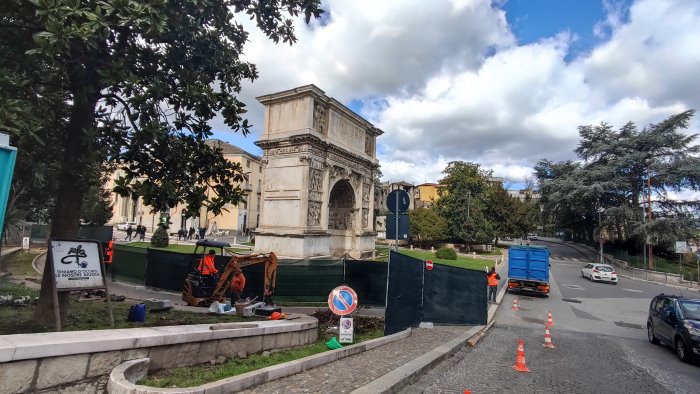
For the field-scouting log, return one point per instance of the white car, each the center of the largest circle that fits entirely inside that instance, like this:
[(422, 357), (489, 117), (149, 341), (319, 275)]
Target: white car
[(125, 225), (601, 272)]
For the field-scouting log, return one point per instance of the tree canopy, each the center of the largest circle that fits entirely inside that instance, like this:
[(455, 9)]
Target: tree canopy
[(135, 84), (618, 171)]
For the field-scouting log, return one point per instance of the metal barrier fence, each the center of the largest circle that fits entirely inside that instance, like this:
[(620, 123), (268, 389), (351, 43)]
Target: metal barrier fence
[(304, 281)]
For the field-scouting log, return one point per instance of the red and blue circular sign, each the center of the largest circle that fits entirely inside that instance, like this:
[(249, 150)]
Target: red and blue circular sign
[(429, 265), (342, 300)]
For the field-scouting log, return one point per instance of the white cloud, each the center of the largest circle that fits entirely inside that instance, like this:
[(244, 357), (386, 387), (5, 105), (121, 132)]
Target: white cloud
[(448, 81)]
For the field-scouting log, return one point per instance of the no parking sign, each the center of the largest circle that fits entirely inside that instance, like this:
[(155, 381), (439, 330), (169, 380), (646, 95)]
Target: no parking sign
[(342, 300)]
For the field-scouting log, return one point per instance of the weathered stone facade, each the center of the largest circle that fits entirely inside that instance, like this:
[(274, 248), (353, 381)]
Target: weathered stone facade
[(319, 162)]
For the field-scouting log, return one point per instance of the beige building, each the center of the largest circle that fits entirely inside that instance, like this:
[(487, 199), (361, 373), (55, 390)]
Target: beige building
[(234, 220)]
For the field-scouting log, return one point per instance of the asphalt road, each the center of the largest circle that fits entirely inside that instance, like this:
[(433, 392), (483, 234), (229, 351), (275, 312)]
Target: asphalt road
[(600, 337)]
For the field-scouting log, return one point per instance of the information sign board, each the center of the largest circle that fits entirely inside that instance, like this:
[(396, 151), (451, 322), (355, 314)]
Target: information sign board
[(25, 243), (76, 264), (681, 247)]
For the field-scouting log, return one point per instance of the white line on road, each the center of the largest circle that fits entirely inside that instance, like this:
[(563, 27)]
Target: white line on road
[(570, 265), (633, 290)]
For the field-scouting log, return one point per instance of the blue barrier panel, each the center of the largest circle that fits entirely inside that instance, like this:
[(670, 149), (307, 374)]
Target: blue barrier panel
[(8, 154)]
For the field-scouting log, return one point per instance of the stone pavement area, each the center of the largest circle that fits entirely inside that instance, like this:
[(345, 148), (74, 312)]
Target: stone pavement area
[(345, 375), (581, 363)]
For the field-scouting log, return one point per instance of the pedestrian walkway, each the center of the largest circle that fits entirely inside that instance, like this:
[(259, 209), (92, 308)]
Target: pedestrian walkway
[(350, 373)]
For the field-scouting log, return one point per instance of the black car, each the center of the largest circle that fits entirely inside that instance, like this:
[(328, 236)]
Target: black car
[(675, 321)]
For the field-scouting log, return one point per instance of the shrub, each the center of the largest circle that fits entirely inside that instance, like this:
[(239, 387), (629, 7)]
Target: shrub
[(160, 238), (446, 253)]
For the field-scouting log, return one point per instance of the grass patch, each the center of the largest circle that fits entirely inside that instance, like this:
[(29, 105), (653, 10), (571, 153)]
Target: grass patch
[(93, 315), (197, 375), (461, 262), (19, 263), (184, 248)]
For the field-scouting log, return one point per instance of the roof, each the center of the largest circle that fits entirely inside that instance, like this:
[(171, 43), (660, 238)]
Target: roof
[(229, 149), (215, 244)]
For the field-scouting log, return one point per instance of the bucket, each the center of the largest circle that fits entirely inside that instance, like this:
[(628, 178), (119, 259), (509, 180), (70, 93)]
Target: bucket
[(137, 313), (240, 307)]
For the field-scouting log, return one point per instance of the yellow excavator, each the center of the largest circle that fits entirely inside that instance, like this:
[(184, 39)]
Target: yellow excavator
[(200, 290)]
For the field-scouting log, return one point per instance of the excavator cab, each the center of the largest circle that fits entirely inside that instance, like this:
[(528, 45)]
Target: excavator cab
[(199, 287), (199, 290)]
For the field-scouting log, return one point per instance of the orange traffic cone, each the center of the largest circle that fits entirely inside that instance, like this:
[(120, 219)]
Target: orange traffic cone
[(550, 322), (547, 338), (515, 305), (520, 358)]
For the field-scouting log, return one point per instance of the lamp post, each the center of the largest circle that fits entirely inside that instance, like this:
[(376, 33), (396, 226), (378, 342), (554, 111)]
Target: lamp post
[(600, 233)]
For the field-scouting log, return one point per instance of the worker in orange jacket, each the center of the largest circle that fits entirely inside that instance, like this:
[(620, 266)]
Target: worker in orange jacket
[(492, 277), (109, 252), (207, 266), (237, 285)]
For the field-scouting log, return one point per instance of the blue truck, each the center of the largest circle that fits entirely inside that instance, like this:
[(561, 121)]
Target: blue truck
[(528, 269)]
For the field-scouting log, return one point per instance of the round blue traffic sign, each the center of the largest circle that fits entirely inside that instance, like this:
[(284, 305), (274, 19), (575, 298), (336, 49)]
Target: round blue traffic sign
[(398, 201), (342, 300)]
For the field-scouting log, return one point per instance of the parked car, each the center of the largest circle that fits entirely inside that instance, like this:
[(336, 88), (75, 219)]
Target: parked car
[(532, 237), (601, 272), (125, 225), (675, 321)]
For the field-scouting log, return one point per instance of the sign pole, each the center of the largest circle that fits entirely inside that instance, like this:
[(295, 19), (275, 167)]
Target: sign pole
[(54, 290), (397, 222)]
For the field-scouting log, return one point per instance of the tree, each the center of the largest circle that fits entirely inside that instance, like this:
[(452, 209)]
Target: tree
[(510, 217), (139, 80), (614, 176), (427, 225), (97, 204), (463, 203)]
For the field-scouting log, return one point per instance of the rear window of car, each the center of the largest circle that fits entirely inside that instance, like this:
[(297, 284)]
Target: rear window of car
[(691, 309), (605, 268)]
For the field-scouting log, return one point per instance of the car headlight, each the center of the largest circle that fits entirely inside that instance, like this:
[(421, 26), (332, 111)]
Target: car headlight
[(691, 329)]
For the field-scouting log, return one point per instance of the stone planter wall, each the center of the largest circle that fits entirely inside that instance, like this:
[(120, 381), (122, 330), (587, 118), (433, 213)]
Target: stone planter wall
[(76, 361)]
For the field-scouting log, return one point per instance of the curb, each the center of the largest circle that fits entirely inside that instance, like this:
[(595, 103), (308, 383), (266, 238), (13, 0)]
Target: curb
[(122, 378), (34, 263), (410, 372)]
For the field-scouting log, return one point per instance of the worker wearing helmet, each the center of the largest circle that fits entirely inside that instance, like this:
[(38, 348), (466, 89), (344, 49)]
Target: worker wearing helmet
[(237, 285), (206, 265)]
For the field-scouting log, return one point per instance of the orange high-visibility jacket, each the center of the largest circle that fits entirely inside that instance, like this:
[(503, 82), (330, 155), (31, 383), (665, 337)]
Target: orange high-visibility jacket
[(238, 283), (109, 252), (206, 266), (493, 278)]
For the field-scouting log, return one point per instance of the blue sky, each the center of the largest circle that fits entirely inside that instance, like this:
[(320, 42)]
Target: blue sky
[(499, 83)]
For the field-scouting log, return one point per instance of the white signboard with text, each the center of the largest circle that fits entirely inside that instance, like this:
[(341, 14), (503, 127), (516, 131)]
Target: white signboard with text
[(681, 247), (346, 330), (25, 243), (76, 264)]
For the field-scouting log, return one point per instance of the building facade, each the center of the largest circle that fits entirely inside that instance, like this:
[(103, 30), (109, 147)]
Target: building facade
[(236, 219)]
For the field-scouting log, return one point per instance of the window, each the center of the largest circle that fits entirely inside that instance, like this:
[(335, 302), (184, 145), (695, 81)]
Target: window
[(247, 163), (662, 303), (260, 169)]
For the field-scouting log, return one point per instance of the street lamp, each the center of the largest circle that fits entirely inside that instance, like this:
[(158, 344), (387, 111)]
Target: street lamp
[(600, 233)]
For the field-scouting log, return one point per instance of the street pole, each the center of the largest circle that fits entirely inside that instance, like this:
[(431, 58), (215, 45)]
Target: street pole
[(397, 222), (651, 250), (646, 268)]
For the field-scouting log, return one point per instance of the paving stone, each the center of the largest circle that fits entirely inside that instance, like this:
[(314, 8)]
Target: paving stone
[(580, 363), (347, 374), (16, 376)]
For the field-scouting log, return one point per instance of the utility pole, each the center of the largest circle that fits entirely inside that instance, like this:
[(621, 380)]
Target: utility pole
[(651, 250)]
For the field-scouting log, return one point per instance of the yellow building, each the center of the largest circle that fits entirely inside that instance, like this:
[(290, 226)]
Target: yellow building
[(234, 220), (427, 194)]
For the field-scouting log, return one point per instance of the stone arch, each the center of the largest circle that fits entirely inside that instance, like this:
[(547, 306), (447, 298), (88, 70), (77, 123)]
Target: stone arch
[(341, 206)]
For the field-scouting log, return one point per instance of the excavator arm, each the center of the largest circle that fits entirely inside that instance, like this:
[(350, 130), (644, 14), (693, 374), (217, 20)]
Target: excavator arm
[(240, 261)]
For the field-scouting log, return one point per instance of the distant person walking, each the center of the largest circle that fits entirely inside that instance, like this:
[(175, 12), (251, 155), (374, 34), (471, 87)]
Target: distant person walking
[(129, 231), (142, 233), (202, 232), (181, 234), (492, 277), (190, 233)]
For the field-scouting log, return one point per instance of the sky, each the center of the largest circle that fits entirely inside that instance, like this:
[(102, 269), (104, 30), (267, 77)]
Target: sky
[(502, 83)]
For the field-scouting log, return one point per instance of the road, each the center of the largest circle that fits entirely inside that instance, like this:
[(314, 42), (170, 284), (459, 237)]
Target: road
[(600, 337)]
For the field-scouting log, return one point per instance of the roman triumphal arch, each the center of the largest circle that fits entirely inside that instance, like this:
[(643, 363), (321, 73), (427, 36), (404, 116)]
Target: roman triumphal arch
[(319, 162)]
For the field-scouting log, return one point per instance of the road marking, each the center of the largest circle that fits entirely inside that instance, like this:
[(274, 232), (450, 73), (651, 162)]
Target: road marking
[(576, 287), (633, 290), (569, 265)]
